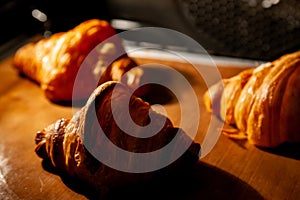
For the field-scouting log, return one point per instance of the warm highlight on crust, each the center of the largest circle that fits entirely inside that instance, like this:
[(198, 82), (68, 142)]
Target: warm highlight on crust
[(63, 142), (54, 62), (263, 103)]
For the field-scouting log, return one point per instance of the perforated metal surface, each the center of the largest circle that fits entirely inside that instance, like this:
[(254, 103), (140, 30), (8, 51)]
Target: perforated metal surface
[(260, 29)]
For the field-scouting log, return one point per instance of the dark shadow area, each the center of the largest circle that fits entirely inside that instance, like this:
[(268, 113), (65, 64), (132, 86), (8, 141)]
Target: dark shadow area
[(160, 84), (152, 88), (72, 182), (151, 93), (76, 103), (155, 94), (203, 181), (289, 150)]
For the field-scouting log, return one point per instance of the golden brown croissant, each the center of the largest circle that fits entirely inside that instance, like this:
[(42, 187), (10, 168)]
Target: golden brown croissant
[(263, 102), (68, 143), (54, 62)]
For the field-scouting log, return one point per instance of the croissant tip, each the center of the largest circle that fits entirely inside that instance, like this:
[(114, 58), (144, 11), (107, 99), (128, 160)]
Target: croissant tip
[(40, 150), (40, 141), (40, 136)]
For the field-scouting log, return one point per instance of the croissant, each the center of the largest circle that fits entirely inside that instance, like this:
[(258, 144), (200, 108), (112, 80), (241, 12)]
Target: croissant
[(262, 103), (54, 62), (68, 143)]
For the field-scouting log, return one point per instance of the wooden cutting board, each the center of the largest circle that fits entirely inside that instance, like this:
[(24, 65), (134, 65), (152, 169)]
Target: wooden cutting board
[(231, 170)]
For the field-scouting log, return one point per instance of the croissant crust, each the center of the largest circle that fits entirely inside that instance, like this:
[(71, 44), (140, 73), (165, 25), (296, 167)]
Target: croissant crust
[(262, 103), (54, 62), (63, 141)]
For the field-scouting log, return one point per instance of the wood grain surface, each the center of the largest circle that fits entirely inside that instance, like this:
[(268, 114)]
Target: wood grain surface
[(231, 170)]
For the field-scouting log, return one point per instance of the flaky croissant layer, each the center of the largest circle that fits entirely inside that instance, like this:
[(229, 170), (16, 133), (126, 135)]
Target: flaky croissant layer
[(64, 142), (263, 103), (55, 61)]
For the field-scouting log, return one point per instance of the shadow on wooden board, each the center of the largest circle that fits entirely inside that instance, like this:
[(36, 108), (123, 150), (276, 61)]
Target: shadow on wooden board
[(203, 181), (289, 150)]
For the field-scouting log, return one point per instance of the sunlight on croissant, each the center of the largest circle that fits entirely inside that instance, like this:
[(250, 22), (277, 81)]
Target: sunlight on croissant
[(134, 76)]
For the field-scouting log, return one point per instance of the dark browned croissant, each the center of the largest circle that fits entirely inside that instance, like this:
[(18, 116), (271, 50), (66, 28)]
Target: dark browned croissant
[(262, 102), (65, 142), (54, 62)]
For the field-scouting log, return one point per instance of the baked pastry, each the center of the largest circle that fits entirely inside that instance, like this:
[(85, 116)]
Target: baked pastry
[(54, 62), (71, 144), (261, 103)]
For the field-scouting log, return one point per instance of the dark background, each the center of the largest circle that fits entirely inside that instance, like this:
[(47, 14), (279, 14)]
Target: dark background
[(252, 29)]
